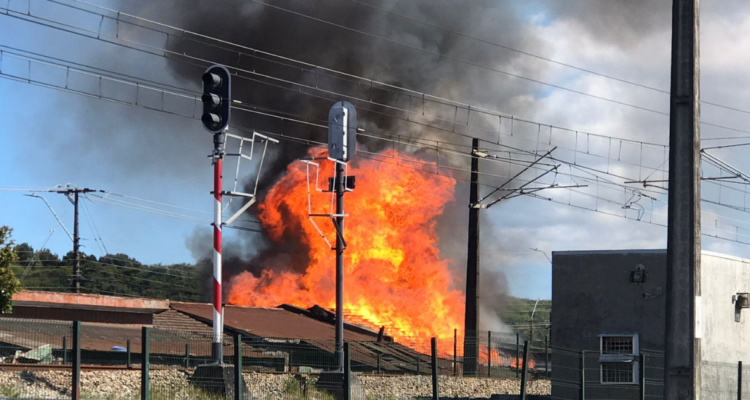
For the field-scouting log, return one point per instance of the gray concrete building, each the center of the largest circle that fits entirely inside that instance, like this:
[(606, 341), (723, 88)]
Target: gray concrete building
[(608, 315)]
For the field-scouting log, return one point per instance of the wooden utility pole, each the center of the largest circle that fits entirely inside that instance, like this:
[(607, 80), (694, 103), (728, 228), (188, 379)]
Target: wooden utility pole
[(683, 334), (76, 247), (72, 194), (471, 317)]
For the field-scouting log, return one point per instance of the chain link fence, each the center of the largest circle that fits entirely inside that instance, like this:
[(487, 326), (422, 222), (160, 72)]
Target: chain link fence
[(52, 360)]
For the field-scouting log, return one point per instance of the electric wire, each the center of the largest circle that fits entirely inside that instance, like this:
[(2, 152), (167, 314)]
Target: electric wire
[(569, 204), (54, 87), (145, 268), (95, 232), (119, 14)]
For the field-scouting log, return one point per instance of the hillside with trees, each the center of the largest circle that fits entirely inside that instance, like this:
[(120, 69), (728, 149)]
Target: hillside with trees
[(112, 274)]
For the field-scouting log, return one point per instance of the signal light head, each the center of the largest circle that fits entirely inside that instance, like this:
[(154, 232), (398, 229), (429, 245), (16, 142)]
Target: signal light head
[(211, 100), (212, 121), (216, 98), (211, 80)]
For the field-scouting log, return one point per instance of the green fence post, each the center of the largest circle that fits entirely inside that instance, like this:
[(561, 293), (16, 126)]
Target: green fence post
[(525, 369), (144, 362), (419, 372), (187, 355), (347, 372), (65, 350), (128, 348), (238, 384), (435, 392), (583, 375), (489, 353), (455, 352), (76, 390), (546, 356), (518, 356), (379, 371), (643, 376)]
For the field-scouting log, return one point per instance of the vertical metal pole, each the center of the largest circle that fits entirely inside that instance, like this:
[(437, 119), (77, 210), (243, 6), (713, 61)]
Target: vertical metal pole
[(218, 155), (65, 350), (239, 386), (489, 353), (418, 366), (518, 355), (187, 355), (339, 183), (76, 247), (128, 359), (435, 391), (643, 376), (739, 380), (144, 363), (525, 370), (583, 375), (455, 352), (76, 389), (471, 317), (682, 339), (546, 356), (347, 372), (379, 363)]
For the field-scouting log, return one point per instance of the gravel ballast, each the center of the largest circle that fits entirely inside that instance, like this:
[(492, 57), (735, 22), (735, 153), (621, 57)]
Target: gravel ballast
[(174, 384)]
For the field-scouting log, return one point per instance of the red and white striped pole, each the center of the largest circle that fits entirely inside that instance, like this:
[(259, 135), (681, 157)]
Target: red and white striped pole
[(218, 320)]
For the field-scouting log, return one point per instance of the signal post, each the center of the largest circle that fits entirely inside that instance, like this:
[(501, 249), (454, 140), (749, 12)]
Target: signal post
[(217, 102)]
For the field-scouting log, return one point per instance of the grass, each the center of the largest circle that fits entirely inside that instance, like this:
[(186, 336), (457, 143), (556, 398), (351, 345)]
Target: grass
[(10, 392), (293, 391), (190, 392)]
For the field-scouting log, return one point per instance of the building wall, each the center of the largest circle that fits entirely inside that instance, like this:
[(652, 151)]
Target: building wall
[(592, 295), (723, 339), (724, 342)]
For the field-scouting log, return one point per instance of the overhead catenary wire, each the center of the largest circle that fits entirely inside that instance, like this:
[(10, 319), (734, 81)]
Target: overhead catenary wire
[(255, 51), (474, 108), (575, 206), (537, 56), (55, 87), (236, 107)]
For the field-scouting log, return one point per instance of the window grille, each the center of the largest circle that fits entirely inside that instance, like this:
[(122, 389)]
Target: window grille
[(618, 359), (617, 345), (617, 372)]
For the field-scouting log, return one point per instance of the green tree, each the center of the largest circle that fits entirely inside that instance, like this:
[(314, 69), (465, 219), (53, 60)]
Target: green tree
[(25, 252), (9, 284)]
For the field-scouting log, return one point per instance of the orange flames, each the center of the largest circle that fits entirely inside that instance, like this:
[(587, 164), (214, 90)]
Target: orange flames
[(394, 275), (502, 359)]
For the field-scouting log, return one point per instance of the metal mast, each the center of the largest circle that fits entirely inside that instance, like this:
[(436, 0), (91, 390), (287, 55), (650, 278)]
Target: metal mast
[(471, 317)]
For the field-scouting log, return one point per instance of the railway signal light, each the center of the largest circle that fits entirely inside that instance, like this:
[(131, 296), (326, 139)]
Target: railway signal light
[(216, 98)]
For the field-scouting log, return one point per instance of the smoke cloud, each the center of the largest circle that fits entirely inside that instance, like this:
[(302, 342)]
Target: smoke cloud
[(266, 28)]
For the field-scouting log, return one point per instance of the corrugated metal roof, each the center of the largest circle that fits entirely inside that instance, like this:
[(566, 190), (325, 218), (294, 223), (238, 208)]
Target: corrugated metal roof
[(269, 322)]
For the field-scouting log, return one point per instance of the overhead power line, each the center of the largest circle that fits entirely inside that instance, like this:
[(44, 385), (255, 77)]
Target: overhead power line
[(457, 59), (718, 233), (98, 35), (272, 133), (102, 97), (145, 269), (537, 56)]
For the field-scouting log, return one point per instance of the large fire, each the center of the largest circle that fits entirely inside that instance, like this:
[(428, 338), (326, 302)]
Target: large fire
[(394, 274)]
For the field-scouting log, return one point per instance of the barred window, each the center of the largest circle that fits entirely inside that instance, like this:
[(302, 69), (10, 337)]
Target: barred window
[(618, 358), (617, 373), (617, 345)]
